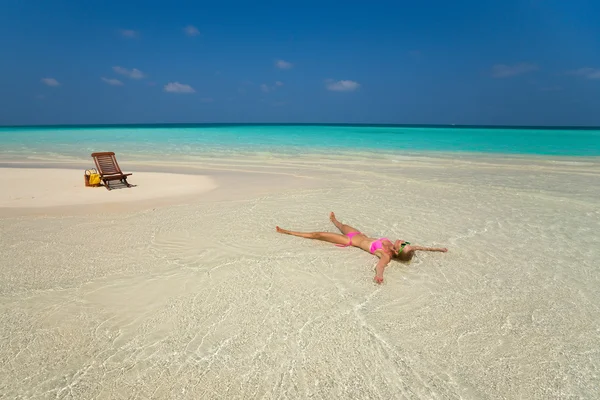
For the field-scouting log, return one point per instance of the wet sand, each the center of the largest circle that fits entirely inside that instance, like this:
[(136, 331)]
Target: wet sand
[(199, 297)]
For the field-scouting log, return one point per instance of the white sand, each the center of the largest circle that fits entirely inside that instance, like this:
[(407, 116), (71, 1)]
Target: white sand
[(203, 299), (45, 187)]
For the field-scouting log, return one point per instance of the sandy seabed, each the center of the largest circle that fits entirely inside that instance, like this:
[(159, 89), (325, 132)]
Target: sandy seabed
[(181, 288)]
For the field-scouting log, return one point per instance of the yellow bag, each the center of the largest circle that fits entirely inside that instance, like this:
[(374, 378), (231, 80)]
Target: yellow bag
[(94, 179)]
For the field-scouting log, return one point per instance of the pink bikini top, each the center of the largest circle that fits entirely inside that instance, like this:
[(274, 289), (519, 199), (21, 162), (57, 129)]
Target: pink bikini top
[(377, 245)]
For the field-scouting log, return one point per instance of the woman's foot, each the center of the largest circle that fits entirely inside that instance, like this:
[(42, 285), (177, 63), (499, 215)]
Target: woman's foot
[(378, 279), (333, 219), (281, 230)]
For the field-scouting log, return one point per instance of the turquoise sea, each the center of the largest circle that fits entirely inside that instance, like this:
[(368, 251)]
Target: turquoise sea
[(222, 139)]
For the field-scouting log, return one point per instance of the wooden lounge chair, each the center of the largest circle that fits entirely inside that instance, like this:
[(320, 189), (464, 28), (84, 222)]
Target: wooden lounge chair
[(108, 168)]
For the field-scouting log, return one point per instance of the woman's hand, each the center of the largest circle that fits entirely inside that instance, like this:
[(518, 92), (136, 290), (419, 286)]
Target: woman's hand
[(380, 267)]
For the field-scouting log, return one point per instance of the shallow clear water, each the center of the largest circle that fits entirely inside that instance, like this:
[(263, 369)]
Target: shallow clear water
[(293, 139), (206, 301)]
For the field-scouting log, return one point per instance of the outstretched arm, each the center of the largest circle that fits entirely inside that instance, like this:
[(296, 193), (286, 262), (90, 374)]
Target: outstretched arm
[(421, 248), (380, 267)]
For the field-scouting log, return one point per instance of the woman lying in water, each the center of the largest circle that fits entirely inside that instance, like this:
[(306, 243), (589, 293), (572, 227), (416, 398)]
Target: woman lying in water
[(382, 248)]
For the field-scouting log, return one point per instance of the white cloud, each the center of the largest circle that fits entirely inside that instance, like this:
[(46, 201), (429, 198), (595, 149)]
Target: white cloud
[(112, 81), (265, 88), (176, 87), (589, 73), (132, 73), (129, 33), (191, 30), (505, 71), (279, 83), (341, 86), (50, 82), (282, 64)]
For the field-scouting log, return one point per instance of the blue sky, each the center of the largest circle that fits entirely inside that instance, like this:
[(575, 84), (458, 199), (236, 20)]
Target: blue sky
[(527, 62)]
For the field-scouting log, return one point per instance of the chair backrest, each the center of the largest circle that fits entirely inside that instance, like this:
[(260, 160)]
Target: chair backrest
[(106, 163)]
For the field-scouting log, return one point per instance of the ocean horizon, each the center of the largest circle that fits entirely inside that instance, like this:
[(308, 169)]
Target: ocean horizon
[(293, 139), (217, 124)]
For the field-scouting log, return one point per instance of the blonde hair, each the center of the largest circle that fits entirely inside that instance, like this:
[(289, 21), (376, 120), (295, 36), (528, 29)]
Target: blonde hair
[(406, 255)]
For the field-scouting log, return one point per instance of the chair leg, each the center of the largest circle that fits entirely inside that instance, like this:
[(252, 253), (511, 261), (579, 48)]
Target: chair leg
[(107, 185)]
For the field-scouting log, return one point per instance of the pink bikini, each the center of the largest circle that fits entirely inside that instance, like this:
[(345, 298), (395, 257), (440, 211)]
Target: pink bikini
[(376, 245)]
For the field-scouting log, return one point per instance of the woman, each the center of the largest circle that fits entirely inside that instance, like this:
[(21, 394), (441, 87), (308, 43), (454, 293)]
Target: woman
[(382, 248)]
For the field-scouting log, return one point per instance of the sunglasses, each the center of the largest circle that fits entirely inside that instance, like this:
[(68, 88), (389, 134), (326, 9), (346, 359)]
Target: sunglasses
[(402, 247)]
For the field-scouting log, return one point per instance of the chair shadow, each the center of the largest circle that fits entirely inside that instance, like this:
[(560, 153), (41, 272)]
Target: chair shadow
[(119, 185)]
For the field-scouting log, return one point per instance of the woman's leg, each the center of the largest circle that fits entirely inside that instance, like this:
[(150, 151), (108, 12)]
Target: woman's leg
[(345, 229), (324, 236)]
